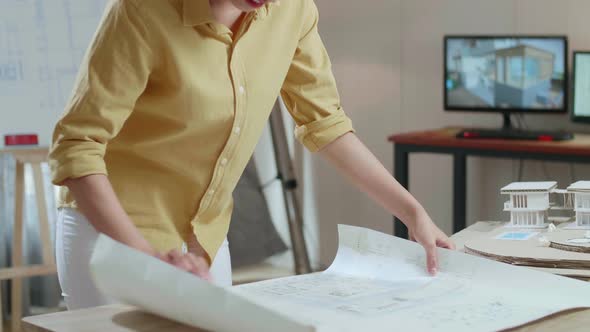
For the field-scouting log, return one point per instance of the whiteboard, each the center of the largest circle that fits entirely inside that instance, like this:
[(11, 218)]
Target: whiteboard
[(42, 43)]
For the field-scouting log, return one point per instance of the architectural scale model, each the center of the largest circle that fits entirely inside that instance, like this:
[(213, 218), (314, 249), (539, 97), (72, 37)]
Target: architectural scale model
[(531, 202), (581, 190)]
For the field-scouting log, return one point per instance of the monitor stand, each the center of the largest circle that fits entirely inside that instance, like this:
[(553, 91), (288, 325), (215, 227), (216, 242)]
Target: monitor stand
[(510, 132)]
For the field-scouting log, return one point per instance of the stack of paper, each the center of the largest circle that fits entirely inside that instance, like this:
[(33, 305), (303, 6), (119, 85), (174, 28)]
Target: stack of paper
[(523, 247), (376, 283)]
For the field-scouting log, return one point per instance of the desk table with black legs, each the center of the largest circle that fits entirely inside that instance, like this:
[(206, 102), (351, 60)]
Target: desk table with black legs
[(444, 141)]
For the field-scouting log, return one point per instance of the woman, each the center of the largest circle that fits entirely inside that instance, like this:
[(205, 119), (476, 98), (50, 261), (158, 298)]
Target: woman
[(170, 101)]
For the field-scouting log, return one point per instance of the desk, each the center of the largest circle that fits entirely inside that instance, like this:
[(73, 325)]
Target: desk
[(444, 141), (112, 318), (121, 318)]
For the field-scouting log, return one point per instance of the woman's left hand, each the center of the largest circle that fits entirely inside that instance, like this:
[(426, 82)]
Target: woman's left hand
[(349, 155), (427, 234)]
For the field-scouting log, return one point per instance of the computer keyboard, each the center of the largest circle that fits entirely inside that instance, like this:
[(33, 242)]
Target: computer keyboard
[(516, 134)]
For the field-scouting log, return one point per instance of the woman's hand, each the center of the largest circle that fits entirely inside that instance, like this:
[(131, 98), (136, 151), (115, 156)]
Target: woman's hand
[(355, 161), (188, 262), (427, 234)]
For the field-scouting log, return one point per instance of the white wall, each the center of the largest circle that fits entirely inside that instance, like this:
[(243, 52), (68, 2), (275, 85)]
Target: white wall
[(387, 58), (363, 40), (41, 46)]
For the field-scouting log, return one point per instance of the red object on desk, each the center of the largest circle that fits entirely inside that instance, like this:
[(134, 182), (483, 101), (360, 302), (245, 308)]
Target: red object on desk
[(469, 134), (22, 139)]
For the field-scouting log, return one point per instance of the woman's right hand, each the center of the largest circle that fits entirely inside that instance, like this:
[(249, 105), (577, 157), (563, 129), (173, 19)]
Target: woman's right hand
[(97, 201), (188, 262)]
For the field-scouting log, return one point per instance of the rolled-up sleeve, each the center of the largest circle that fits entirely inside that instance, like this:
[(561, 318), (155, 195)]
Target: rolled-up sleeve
[(310, 92), (113, 75)]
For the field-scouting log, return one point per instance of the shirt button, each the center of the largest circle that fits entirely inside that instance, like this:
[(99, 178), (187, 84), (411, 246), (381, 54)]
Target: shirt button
[(242, 89), (237, 130), (211, 192), (223, 161)]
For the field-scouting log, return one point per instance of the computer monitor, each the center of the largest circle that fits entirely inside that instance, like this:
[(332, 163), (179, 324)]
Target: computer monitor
[(506, 74), (581, 90)]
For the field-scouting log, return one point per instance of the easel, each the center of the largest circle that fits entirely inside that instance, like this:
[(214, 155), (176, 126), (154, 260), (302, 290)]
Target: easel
[(35, 157), (289, 185)]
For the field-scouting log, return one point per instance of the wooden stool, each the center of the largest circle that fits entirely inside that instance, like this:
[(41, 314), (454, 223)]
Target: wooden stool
[(35, 157)]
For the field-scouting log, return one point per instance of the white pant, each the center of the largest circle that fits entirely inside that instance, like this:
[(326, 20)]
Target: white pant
[(75, 241)]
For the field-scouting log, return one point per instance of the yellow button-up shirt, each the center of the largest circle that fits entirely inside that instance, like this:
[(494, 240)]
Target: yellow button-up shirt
[(170, 104)]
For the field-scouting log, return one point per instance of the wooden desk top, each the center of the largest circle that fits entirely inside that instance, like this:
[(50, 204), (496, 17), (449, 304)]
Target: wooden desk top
[(113, 318), (121, 318), (445, 137)]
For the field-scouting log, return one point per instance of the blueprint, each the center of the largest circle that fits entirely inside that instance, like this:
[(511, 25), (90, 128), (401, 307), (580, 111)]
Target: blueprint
[(376, 283), (132, 277), (42, 43)]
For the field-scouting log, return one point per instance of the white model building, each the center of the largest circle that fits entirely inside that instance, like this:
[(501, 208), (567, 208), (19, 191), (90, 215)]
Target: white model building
[(529, 203), (581, 191)]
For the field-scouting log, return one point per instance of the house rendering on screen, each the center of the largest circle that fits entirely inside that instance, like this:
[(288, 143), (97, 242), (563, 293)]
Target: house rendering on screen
[(518, 75), (523, 76)]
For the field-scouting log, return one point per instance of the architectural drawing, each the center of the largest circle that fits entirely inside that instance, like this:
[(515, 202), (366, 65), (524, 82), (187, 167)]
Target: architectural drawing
[(376, 282), (531, 203)]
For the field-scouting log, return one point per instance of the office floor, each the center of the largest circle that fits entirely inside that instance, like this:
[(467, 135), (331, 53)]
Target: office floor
[(7, 328)]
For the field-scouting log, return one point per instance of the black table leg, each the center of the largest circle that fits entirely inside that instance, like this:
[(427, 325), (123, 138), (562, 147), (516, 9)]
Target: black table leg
[(401, 174), (459, 192)]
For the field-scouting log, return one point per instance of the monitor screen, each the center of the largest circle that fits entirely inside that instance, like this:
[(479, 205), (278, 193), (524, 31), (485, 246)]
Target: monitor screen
[(506, 74), (581, 108)]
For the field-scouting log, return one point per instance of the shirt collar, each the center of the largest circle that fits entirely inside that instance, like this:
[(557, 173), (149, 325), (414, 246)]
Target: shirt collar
[(197, 12), (262, 12)]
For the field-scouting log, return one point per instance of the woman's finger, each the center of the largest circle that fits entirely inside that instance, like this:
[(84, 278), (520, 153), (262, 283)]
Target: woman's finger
[(162, 257), (174, 255), (184, 264), (177, 259), (200, 267), (431, 259), (445, 243)]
